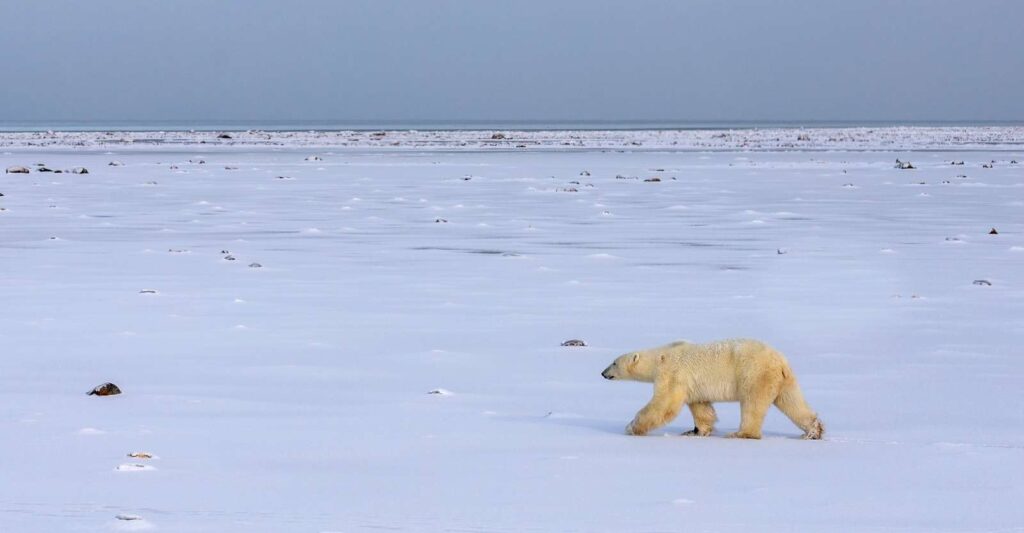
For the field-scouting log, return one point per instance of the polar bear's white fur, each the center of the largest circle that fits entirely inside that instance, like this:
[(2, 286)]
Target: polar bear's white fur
[(743, 370)]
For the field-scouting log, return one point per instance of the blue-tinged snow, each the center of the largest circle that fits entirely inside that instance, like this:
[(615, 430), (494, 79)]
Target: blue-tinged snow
[(295, 395)]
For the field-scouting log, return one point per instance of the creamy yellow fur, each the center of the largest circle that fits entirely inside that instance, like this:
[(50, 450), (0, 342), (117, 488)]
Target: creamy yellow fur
[(739, 370)]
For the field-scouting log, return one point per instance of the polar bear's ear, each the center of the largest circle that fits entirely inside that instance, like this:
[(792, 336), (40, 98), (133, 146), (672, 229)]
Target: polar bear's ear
[(634, 358)]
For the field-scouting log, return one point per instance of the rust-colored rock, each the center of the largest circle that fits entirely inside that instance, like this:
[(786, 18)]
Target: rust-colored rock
[(106, 389)]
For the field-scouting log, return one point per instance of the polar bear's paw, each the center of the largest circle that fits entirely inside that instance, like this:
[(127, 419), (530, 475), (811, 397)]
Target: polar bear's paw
[(633, 429), (816, 431), (743, 435), (697, 432)]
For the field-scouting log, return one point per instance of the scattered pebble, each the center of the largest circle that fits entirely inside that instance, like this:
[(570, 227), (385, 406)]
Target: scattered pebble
[(141, 455), (115, 164), (314, 158), (255, 265), (106, 389), (229, 257), (440, 392), (224, 136), (148, 291), (79, 170), (983, 282), (574, 342), (904, 165), (993, 232), (128, 517), (652, 180), (440, 221)]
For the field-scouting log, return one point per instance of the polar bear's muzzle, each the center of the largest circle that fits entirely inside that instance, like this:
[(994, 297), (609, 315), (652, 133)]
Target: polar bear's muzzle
[(606, 373)]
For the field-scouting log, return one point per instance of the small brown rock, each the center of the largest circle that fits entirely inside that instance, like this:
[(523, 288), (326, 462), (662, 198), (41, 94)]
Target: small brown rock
[(993, 232), (574, 342), (106, 389)]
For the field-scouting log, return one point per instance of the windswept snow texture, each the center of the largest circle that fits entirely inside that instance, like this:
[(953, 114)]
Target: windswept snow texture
[(295, 396)]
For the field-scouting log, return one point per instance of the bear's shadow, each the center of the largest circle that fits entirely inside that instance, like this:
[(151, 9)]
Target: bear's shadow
[(619, 427)]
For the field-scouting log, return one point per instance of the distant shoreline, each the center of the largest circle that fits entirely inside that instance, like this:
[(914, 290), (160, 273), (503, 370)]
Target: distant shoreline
[(876, 138), (14, 126)]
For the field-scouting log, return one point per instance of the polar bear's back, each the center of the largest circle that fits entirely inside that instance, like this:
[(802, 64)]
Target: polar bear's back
[(718, 371)]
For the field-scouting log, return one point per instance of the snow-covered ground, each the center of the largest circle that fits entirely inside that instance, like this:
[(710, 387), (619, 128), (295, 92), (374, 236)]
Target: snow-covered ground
[(293, 396)]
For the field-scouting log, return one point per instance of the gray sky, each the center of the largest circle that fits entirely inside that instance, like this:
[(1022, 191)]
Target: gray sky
[(413, 60)]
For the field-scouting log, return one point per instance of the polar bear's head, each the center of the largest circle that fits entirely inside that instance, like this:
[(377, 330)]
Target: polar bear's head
[(635, 366)]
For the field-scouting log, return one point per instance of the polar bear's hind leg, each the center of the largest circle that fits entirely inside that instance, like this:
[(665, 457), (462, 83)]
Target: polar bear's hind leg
[(755, 404), (791, 402)]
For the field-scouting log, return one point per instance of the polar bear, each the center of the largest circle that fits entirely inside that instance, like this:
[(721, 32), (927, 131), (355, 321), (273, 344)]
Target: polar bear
[(743, 370)]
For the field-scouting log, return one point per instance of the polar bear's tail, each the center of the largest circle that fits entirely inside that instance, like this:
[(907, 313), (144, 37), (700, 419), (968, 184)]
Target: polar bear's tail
[(791, 402)]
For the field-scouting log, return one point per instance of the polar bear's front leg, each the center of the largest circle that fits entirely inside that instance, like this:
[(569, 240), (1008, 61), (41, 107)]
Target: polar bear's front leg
[(704, 419), (664, 406)]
